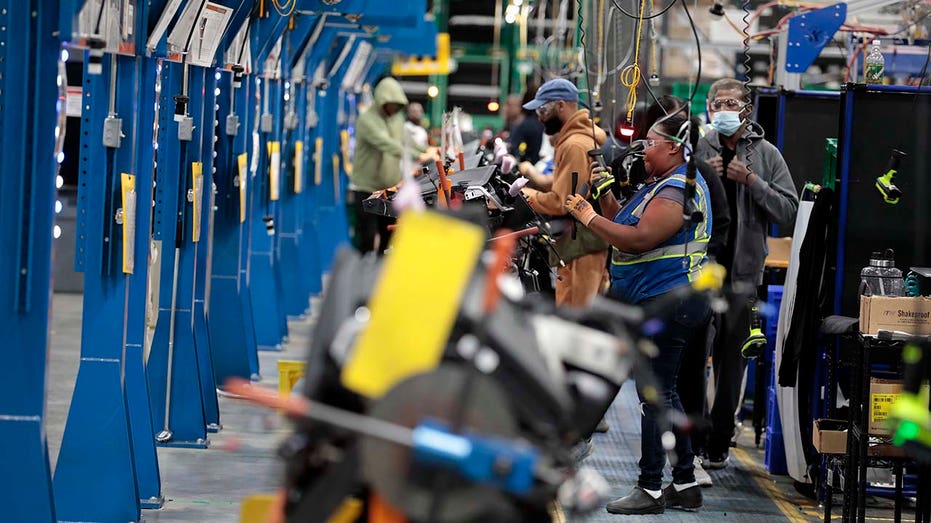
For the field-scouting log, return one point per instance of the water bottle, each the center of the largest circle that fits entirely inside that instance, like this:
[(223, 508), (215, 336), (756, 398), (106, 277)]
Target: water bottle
[(881, 277), (875, 65)]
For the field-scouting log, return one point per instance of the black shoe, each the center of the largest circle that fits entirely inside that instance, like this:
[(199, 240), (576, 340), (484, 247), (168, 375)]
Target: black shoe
[(582, 450), (602, 426), (715, 462), (688, 499), (636, 503)]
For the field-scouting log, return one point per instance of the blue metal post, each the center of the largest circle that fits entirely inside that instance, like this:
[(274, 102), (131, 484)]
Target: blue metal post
[(295, 295), (847, 101), (233, 342), (28, 68), (97, 436), (297, 44), (208, 382), (175, 384), (311, 256), (334, 229), (265, 282), (137, 385), (244, 100), (276, 102)]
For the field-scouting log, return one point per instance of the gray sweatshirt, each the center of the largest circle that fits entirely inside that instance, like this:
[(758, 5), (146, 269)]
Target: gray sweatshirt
[(771, 198)]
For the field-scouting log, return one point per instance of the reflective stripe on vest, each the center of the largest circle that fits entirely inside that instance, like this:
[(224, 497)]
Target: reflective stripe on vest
[(697, 247)]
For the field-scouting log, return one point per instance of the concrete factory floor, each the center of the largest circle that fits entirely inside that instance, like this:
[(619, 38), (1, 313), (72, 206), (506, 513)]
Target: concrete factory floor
[(209, 485)]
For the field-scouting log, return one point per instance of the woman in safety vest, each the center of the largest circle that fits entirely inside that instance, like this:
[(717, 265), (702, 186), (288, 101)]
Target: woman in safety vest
[(653, 252)]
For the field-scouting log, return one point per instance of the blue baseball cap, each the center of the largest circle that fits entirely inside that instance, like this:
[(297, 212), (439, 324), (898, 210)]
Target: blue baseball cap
[(555, 89)]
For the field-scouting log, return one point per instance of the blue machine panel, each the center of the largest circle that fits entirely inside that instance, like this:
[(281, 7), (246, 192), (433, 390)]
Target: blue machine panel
[(809, 33)]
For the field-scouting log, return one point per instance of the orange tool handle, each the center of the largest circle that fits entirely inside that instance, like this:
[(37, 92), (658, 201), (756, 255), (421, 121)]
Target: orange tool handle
[(442, 194), (529, 231), (503, 247)]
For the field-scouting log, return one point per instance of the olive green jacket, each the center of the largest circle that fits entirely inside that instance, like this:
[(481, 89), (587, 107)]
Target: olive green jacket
[(379, 141)]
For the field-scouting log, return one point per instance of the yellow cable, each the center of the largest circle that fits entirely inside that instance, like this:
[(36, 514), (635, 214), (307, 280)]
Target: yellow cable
[(630, 75)]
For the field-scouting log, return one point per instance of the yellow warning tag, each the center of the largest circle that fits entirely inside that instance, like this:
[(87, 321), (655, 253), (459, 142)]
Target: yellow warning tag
[(298, 167), (128, 190), (274, 171), (335, 177), (243, 160), (415, 302), (318, 161), (880, 406), (197, 179), (344, 147)]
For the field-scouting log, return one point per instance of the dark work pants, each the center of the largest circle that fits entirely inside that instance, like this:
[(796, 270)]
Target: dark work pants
[(732, 328), (684, 331), (368, 228), (692, 385)]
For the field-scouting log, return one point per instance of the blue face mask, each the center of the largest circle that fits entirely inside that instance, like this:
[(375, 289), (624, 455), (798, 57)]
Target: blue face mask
[(727, 122)]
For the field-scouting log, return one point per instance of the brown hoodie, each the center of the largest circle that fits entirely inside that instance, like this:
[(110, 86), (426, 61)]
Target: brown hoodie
[(584, 274), (572, 146)]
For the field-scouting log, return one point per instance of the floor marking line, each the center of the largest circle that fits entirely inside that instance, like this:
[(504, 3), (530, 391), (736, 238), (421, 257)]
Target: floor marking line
[(788, 509)]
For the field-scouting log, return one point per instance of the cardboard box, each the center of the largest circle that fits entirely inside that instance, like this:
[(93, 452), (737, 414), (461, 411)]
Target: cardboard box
[(883, 393), (911, 315), (830, 436), (779, 252)]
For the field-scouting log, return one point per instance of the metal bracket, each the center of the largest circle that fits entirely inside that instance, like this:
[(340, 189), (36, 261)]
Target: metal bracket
[(809, 33)]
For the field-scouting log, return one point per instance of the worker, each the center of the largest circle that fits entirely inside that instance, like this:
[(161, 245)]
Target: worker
[(541, 173), (377, 162), (692, 382), (512, 113), (556, 104), (418, 136), (653, 253), (525, 137), (760, 191)]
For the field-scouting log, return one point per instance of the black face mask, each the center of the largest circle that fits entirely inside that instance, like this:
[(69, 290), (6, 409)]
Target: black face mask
[(553, 125)]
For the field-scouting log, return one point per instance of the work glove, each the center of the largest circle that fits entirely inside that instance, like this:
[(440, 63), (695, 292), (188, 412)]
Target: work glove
[(501, 149), (580, 209), (602, 180), (508, 163)]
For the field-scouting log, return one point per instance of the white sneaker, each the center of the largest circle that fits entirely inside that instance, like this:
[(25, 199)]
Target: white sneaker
[(701, 477)]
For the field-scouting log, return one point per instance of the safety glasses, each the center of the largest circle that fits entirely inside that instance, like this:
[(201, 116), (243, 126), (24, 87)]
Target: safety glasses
[(546, 109), (730, 104), (650, 143)]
